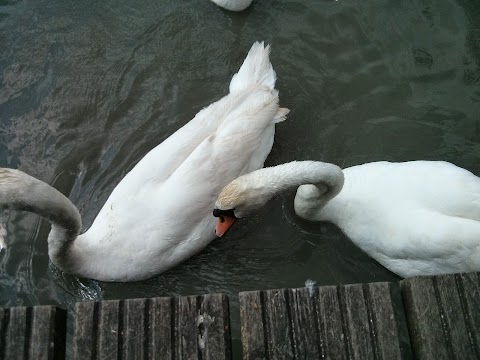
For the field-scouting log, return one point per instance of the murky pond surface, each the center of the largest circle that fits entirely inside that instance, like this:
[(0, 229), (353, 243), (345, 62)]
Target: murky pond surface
[(87, 88)]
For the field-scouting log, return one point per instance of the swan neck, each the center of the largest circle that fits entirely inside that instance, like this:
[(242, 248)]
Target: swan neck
[(273, 180), (19, 191)]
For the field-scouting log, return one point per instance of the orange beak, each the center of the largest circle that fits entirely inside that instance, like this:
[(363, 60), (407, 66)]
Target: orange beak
[(223, 224)]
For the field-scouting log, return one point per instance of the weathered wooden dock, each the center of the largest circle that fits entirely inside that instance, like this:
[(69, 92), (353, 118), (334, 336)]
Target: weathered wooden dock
[(420, 318)]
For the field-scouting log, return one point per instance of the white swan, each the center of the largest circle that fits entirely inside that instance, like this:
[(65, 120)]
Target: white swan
[(415, 218), (160, 213), (233, 5)]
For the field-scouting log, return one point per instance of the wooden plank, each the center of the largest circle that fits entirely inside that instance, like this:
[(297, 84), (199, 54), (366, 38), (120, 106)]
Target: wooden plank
[(355, 312), (265, 323), (48, 333), (33, 333), (332, 322), (453, 320), (441, 317), (185, 332), (85, 330), (468, 286), (135, 334), (4, 319), (385, 323), (109, 331), (161, 328), (252, 325), (333, 337), (18, 333), (304, 318), (213, 325), (370, 321), (191, 327), (278, 324), (423, 315)]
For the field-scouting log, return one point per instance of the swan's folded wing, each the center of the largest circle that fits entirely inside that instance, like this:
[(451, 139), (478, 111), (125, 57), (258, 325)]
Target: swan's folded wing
[(245, 136)]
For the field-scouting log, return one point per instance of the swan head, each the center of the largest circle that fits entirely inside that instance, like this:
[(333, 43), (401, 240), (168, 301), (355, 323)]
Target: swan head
[(237, 200)]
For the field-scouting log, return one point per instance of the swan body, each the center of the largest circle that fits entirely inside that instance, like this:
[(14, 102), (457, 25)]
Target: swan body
[(415, 218), (233, 5), (160, 213)]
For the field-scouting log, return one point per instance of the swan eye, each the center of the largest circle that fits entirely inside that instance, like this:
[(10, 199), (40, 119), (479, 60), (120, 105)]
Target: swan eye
[(222, 213)]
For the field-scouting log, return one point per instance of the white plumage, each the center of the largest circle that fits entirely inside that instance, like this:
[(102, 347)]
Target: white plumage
[(160, 213), (233, 5), (415, 218)]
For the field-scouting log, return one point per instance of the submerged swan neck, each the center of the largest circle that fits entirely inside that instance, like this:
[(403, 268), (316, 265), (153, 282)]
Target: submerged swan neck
[(19, 191)]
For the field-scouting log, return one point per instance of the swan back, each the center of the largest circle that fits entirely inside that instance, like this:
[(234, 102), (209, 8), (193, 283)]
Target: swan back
[(436, 185), (415, 218)]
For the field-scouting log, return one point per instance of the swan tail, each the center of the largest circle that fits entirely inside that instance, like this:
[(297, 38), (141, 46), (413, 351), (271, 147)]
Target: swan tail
[(281, 115), (255, 70)]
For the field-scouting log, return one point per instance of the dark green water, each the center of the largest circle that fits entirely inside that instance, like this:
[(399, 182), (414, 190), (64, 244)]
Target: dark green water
[(88, 87)]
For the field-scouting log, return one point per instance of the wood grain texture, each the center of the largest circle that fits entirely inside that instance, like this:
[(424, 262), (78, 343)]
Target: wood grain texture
[(214, 327), (303, 310), (187, 327), (278, 322), (32, 333), (361, 341), (135, 329), (160, 329), (333, 338), (110, 331), (385, 320), (443, 316), (185, 330), (469, 292), (252, 325), (85, 327), (332, 322)]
